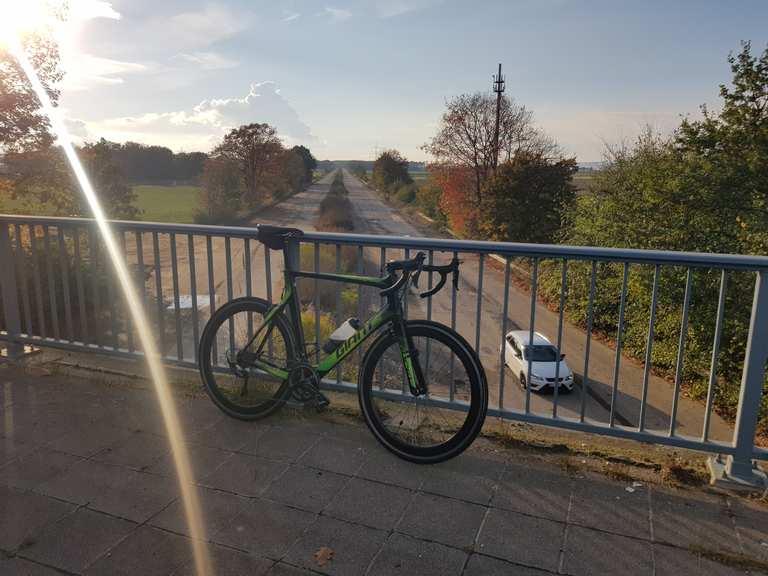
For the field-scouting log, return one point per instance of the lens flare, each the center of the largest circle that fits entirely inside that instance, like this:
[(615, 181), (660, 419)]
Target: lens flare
[(165, 399)]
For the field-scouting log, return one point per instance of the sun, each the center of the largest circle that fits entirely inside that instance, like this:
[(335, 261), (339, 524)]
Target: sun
[(21, 18)]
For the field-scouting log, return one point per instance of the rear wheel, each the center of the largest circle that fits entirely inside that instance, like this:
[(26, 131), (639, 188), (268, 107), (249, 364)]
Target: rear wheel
[(240, 390), (438, 424)]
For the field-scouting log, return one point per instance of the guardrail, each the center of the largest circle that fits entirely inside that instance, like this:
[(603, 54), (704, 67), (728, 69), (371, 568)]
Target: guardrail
[(58, 291)]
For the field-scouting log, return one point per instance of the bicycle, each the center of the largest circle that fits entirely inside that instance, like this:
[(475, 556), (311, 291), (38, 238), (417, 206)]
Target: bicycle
[(421, 387)]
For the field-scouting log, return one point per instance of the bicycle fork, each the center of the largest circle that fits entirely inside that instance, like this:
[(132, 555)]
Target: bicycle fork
[(416, 382)]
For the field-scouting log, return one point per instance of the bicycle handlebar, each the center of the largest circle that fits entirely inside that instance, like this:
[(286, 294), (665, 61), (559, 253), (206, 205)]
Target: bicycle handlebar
[(416, 266)]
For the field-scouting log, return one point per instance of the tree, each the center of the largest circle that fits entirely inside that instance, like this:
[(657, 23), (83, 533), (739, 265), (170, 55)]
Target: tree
[(307, 160), (465, 136), (221, 189), (256, 149), (23, 126), (390, 171), (117, 197), (527, 198)]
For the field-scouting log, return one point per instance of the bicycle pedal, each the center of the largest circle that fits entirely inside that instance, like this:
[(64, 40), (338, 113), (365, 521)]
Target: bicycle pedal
[(321, 402)]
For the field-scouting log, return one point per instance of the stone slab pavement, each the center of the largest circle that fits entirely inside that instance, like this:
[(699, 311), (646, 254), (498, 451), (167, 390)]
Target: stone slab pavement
[(87, 487)]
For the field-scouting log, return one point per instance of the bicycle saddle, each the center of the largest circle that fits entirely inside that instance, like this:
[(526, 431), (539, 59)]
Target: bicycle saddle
[(274, 237)]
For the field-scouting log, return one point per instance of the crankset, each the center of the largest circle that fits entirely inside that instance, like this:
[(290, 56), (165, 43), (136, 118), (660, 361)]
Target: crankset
[(304, 387)]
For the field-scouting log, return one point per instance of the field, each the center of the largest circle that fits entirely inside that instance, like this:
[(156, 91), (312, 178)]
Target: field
[(167, 203)]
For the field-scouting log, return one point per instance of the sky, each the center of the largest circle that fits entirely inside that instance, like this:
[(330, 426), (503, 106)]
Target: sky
[(350, 78)]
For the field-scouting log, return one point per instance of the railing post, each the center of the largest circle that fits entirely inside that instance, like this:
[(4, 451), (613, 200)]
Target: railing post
[(739, 466), (10, 295), (292, 261)]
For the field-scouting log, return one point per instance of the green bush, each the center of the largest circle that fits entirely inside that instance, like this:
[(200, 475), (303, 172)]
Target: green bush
[(406, 193)]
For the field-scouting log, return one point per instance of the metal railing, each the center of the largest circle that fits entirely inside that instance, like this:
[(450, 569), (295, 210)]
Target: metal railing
[(58, 291)]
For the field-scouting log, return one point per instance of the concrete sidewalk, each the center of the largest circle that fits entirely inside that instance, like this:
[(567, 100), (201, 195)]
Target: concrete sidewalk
[(87, 487)]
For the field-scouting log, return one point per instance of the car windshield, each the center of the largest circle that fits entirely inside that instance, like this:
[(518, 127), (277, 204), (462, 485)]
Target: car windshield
[(541, 353)]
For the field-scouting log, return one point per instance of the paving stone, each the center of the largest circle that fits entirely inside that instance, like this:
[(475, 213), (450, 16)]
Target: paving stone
[(592, 553), (467, 477), (203, 460), (265, 528), (24, 514), (443, 520), (521, 539), (600, 503), (370, 503), (228, 562), (535, 490), (307, 488), (381, 465), (405, 555), (219, 509), (670, 561), (245, 474), (12, 448), (340, 456), (283, 569), (693, 521), (21, 567), (36, 467), (77, 540), (88, 440), (353, 547), (752, 525), (281, 443), (228, 434), (138, 451), (113, 489), (147, 551), (480, 565)]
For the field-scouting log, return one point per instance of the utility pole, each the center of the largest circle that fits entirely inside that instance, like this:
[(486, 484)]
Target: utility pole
[(498, 87)]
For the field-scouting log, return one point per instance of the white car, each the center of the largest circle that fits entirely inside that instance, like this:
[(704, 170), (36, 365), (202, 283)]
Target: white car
[(545, 365)]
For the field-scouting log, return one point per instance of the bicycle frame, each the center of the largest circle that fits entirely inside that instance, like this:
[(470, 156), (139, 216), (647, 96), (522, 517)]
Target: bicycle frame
[(390, 313)]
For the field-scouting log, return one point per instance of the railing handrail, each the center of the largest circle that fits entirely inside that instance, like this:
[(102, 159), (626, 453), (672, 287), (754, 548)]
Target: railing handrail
[(512, 249)]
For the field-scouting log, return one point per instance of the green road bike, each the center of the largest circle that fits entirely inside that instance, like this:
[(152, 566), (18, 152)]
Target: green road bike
[(421, 387)]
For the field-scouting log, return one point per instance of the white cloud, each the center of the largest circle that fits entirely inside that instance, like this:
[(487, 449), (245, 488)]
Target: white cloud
[(392, 8), (198, 29), (209, 60), (337, 14), (90, 9), (291, 17), (88, 71), (202, 127)]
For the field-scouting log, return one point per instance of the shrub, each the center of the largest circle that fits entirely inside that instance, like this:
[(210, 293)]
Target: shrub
[(406, 193)]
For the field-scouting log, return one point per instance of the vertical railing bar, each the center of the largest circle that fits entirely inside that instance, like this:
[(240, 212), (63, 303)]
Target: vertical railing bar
[(590, 319), (453, 327), (382, 267), (64, 263), (563, 297), (316, 301), (211, 293), (159, 292), (268, 280), (126, 314), (248, 285), (478, 312), (228, 264), (534, 288), (715, 353), (176, 299), (503, 347), (36, 280), (112, 297), (361, 312), (141, 283), (51, 283), (430, 274), (337, 320), (406, 255), (617, 365), (80, 287), (22, 275), (93, 253), (193, 293), (649, 348), (681, 351)]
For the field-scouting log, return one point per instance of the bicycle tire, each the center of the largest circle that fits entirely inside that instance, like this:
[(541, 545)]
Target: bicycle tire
[(475, 412), (206, 366)]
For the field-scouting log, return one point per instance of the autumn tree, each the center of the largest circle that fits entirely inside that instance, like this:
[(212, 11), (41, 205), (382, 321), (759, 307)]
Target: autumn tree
[(220, 191), (309, 162), (256, 149), (465, 136), (390, 171), (23, 126)]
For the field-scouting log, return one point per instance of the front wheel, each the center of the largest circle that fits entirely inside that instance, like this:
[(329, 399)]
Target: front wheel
[(438, 424)]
